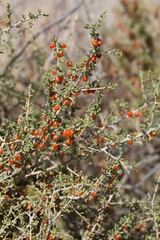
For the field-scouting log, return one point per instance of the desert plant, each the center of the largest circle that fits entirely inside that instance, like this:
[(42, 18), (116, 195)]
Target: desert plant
[(62, 171)]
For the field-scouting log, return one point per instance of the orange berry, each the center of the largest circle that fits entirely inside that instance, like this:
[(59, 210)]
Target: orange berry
[(89, 198), (100, 42), (1, 167), (52, 97), (18, 157), (152, 134), (130, 142), (52, 45), (69, 64), (69, 141), (55, 124), (12, 162), (56, 108), (59, 79), (80, 193), (55, 146), (68, 133), (41, 145), (118, 237), (17, 137), (66, 101), (55, 137), (94, 42), (110, 186), (94, 194), (116, 167), (6, 196), (130, 114), (60, 54), (63, 45), (93, 58), (1, 151), (54, 72), (99, 140), (50, 237), (93, 116), (85, 78)]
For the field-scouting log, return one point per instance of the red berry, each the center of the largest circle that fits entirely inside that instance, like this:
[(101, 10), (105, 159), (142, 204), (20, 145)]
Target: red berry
[(55, 146), (130, 114), (52, 45), (55, 137), (56, 108), (85, 78), (66, 101), (100, 42), (41, 145), (69, 141), (59, 79), (55, 124), (94, 42), (130, 142), (18, 157), (94, 194), (54, 72), (60, 54), (63, 45), (1, 151), (118, 237), (152, 134), (69, 64), (93, 58), (116, 167)]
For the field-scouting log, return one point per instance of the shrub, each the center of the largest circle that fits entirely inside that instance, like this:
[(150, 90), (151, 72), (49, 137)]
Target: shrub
[(63, 171)]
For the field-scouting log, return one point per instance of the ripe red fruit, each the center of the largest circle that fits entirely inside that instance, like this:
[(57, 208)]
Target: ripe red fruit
[(17, 137), (93, 58), (69, 141), (118, 237), (55, 146), (55, 124), (50, 237), (100, 42), (68, 133), (74, 104), (59, 79), (94, 194), (85, 78), (94, 42), (54, 72), (130, 142), (69, 64), (41, 145), (55, 137), (1, 151), (66, 101), (99, 140), (130, 114), (152, 134), (116, 167), (63, 45), (18, 157), (94, 116), (52, 45), (60, 54), (52, 97), (56, 108)]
